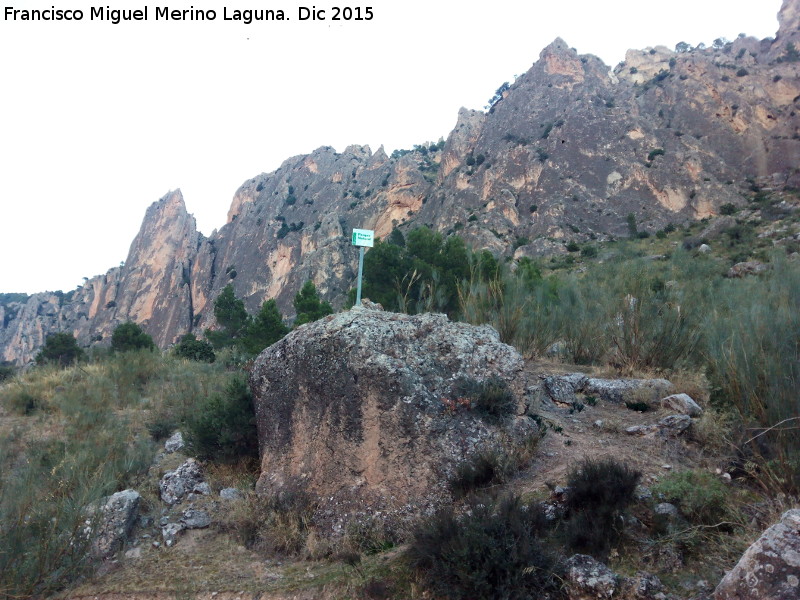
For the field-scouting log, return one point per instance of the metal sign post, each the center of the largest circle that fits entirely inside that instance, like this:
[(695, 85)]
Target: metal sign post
[(363, 238)]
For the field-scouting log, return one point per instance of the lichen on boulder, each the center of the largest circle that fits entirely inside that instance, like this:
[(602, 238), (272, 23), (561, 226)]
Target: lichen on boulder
[(361, 409)]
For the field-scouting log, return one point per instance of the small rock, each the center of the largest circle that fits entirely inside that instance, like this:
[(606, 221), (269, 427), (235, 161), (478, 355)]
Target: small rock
[(642, 493), (704, 249), (174, 443), (750, 267), (133, 553), (598, 423), (589, 579), (675, 424), (667, 509), (666, 466), (195, 519), (682, 403), (230, 494), (170, 533), (640, 429)]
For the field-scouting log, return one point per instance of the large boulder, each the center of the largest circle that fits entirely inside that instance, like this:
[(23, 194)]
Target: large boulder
[(363, 410), (770, 568)]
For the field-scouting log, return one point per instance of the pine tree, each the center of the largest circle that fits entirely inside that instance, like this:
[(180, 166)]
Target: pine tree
[(266, 329), (308, 305), (231, 316)]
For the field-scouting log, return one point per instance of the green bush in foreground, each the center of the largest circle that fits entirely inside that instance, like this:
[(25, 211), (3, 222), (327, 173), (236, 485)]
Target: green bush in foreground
[(494, 551), (599, 491), (699, 495)]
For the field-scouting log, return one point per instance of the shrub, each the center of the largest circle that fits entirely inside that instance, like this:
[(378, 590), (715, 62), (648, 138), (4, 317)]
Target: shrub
[(573, 246), (129, 336), (655, 152), (599, 491), (193, 349), (7, 371), (223, 428), (493, 551), (481, 470), (728, 209), (60, 348), (699, 495)]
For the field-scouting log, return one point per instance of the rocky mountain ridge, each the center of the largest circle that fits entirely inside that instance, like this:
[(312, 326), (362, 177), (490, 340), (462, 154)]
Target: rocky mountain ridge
[(566, 152)]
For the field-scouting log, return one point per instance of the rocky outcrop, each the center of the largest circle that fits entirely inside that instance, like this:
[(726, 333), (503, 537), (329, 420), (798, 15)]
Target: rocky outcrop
[(115, 519), (770, 568), (573, 387), (360, 410), (184, 481), (566, 152)]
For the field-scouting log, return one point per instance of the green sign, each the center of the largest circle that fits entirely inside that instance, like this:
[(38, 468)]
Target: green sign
[(363, 237)]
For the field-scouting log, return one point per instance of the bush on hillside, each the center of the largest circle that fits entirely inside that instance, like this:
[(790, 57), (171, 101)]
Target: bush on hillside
[(61, 349), (223, 428), (193, 349), (130, 336)]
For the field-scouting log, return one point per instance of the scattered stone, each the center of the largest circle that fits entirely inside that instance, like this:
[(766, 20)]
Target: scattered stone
[(640, 429), (133, 553), (620, 391), (683, 404), (174, 485), (770, 567), (642, 493), (750, 267), (675, 424), (666, 509), (563, 389), (170, 533), (643, 586), (672, 425), (598, 423), (174, 443), (195, 519), (230, 494), (117, 516), (589, 579), (704, 249)]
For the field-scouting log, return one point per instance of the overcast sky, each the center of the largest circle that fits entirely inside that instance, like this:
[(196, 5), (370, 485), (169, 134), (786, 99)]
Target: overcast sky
[(100, 120)]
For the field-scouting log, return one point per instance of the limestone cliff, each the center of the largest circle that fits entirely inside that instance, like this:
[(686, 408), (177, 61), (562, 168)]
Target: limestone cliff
[(566, 152)]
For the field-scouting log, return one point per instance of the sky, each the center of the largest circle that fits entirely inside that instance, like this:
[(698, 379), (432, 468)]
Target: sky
[(99, 120)]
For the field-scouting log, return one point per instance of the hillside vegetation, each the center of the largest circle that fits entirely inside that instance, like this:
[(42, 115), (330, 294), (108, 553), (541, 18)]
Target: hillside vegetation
[(661, 304)]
